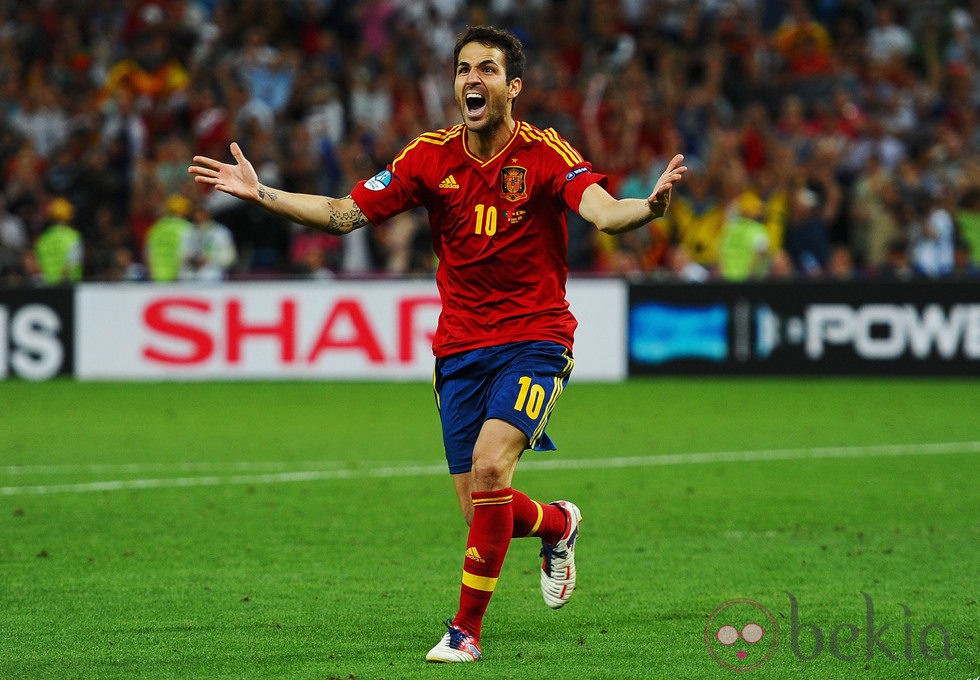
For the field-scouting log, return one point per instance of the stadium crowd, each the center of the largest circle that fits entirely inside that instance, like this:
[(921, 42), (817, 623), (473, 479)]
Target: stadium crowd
[(825, 139)]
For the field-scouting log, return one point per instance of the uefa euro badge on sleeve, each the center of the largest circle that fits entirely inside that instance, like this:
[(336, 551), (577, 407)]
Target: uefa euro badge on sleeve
[(379, 181)]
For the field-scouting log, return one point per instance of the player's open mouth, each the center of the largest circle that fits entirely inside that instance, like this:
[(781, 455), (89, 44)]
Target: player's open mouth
[(476, 103)]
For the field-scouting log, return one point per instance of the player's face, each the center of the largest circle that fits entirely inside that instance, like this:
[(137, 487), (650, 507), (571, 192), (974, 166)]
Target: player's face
[(482, 91)]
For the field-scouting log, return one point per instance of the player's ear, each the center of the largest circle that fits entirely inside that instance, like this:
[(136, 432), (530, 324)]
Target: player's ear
[(514, 88)]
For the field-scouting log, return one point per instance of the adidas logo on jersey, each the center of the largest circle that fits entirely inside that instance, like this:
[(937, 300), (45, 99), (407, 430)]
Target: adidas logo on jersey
[(474, 554), (449, 183)]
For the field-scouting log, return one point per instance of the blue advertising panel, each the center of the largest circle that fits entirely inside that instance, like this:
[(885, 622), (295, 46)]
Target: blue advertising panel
[(829, 328)]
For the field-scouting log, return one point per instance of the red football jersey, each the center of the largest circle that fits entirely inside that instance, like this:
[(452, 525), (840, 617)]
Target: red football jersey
[(498, 228)]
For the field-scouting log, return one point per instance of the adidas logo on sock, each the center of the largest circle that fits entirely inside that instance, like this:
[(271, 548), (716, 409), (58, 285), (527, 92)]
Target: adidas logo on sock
[(474, 554), (449, 183)]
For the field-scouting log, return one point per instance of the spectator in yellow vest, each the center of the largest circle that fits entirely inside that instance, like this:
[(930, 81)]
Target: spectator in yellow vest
[(58, 250), (743, 253), (168, 249)]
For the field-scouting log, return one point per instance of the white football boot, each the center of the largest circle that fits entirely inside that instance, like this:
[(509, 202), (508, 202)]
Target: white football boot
[(456, 646), (558, 563)]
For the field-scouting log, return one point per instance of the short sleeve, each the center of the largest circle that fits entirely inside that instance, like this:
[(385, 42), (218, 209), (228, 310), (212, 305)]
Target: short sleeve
[(383, 196), (573, 184)]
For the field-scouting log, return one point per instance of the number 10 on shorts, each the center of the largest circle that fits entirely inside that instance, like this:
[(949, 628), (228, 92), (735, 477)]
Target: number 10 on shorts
[(530, 399)]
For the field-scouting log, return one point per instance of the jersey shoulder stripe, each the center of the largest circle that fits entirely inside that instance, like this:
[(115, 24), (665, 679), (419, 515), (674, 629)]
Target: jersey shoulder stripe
[(560, 142), (551, 139), (437, 137)]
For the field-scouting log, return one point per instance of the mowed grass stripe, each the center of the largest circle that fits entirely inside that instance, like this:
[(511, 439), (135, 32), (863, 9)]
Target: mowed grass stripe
[(811, 453)]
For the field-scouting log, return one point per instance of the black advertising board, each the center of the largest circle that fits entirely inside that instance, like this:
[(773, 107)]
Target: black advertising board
[(803, 328), (37, 329)]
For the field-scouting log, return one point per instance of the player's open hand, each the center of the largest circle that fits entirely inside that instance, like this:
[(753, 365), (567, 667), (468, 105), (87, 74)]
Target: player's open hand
[(238, 180), (660, 198)]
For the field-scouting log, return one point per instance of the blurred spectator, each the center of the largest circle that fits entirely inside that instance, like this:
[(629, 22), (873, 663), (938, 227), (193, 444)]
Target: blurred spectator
[(933, 238), (840, 264), (24, 179), (212, 248), (102, 103), (41, 119), (646, 248), (744, 249), (772, 186), (151, 72), (964, 266), (781, 266), (58, 250), (315, 255), (124, 133), (815, 202), (682, 268), (804, 44), (13, 244), (124, 266), (106, 237), (807, 240), (170, 161), (248, 111), (169, 242), (325, 117), (696, 216), (267, 71), (968, 221), (887, 40), (874, 214), (210, 122), (897, 265)]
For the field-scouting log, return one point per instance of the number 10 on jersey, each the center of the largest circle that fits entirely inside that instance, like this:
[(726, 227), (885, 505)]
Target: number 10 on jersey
[(486, 219)]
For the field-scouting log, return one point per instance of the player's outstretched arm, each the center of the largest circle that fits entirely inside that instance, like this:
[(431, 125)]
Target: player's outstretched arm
[(614, 216), (334, 215)]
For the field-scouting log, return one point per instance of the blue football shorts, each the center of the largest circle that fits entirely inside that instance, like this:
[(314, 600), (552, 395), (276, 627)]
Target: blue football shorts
[(518, 382)]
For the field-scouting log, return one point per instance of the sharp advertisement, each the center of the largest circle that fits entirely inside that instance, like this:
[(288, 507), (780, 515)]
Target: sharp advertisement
[(372, 330)]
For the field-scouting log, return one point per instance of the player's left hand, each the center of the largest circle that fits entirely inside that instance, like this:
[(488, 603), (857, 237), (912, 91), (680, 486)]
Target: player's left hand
[(660, 198)]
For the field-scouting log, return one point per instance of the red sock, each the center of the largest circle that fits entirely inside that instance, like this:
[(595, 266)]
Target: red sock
[(486, 548), (532, 518)]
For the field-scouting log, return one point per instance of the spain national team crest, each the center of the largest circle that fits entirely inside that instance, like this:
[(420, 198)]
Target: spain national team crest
[(512, 184)]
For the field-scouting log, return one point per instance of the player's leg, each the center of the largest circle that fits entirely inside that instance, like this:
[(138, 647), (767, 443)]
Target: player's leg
[(495, 456), (519, 384), (463, 483), (460, 384), (525, 395), (516, 388), (532, 518)]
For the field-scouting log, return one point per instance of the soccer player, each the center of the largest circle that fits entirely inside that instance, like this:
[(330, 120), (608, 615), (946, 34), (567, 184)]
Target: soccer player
[(496, 191)]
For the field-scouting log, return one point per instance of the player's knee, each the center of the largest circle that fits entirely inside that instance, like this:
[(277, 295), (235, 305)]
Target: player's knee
[(490, 473), (495, 455)]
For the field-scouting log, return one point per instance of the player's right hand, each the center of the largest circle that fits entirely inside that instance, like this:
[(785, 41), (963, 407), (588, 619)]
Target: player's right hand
[(238, 180)]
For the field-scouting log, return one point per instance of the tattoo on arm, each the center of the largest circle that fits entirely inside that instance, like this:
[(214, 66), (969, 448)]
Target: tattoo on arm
[(345, 221), (267, 193)]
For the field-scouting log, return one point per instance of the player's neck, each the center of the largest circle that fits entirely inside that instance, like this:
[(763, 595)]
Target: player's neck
[(485, 144)]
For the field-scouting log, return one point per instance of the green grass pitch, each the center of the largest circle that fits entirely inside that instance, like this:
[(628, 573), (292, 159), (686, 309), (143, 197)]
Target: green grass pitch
[(307, 530)]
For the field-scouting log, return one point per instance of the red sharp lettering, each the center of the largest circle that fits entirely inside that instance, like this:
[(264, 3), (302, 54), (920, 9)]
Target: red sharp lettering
[(200, 345), (283, 329), (407, 315), (363, 339)]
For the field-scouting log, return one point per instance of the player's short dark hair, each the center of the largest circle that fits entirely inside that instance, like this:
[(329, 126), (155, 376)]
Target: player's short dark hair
[(505, 41)]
